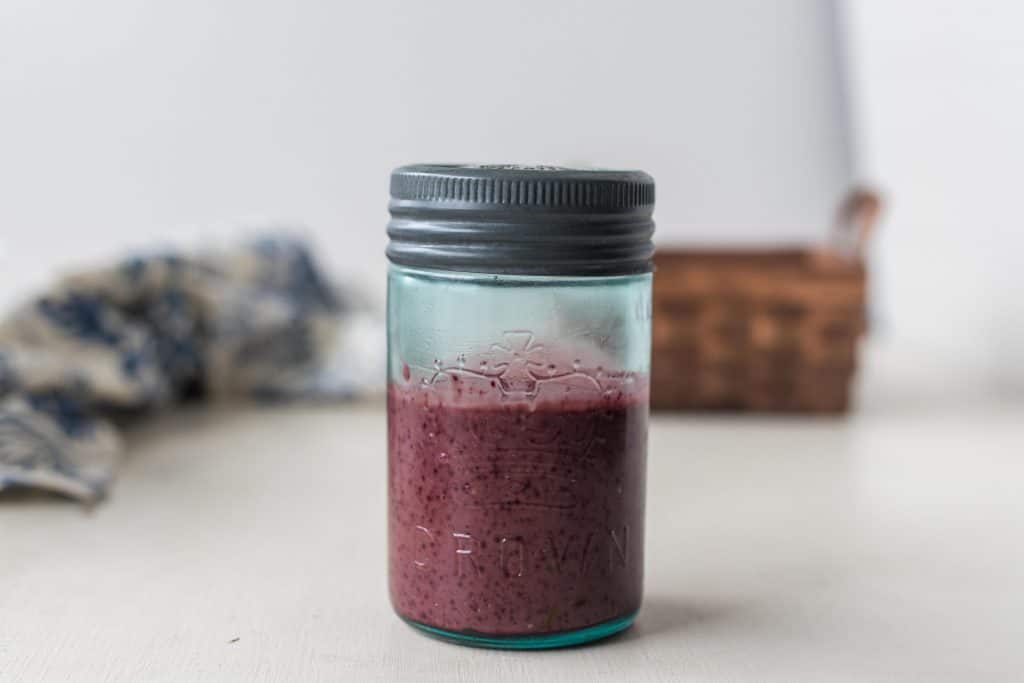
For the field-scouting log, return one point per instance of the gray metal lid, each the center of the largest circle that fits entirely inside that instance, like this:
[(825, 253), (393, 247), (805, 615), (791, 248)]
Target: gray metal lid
[(521, 220)]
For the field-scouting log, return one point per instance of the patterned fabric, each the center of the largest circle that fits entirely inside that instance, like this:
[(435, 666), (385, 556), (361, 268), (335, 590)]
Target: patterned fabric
[(109, 345)]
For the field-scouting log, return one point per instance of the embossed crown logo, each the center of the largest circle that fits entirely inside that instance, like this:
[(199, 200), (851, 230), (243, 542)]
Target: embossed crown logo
[(518, 361), (519, 365)]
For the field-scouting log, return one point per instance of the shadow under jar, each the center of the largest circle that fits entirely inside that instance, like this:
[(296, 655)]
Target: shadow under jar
[(518, 358)]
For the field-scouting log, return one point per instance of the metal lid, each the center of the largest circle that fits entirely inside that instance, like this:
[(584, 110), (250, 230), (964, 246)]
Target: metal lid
[(521, 220)]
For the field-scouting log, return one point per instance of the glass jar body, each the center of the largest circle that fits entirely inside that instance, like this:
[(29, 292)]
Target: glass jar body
[(517, 433)]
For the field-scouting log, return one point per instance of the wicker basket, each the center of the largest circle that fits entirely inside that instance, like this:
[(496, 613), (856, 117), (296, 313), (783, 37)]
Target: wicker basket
[(762, 330)]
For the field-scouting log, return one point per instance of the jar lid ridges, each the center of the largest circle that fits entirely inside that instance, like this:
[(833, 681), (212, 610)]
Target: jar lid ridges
[(539, 220)]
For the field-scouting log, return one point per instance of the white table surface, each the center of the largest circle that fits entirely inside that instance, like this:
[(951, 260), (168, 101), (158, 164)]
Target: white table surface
[(249, 545)]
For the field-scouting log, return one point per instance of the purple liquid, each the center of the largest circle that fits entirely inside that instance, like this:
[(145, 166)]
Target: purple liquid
[(516, 517)]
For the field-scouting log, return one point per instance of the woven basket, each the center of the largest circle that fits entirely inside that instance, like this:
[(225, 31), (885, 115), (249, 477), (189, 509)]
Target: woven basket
[(763, 330)]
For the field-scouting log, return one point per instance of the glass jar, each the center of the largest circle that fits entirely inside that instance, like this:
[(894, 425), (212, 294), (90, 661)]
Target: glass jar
[(519, 347)]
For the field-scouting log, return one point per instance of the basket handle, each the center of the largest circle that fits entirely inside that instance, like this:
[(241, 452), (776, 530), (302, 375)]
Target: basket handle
[(855, 221)]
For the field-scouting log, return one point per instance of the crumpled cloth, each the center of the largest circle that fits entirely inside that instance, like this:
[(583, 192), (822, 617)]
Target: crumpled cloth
[(109, 345)]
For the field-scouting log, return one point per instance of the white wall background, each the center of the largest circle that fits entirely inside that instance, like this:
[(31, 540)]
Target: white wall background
[(939, 113), (127, 124)]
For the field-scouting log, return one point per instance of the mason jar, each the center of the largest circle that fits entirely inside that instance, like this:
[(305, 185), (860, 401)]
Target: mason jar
[(518, 357)]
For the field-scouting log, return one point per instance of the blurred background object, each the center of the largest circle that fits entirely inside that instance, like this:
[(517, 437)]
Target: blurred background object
[(101, 346), (763, 329)]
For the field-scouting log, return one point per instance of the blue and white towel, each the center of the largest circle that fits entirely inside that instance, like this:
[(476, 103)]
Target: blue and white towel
[(109, 345)]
